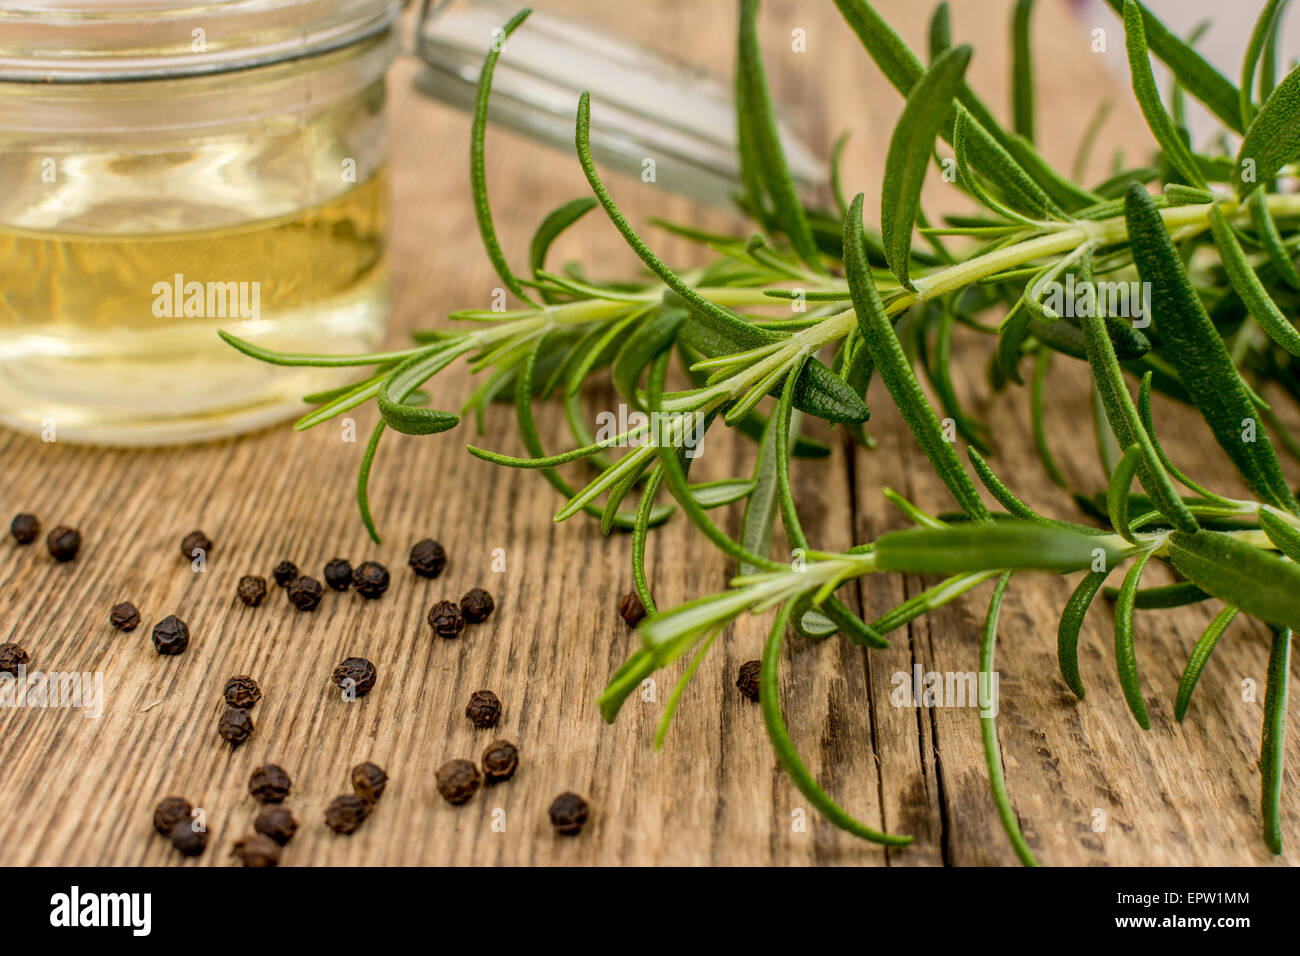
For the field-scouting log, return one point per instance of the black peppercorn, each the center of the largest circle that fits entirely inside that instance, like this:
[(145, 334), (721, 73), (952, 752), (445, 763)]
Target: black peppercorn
[(369, 781), (12, 657), (124, 616), (500, 761), (346, 813), (428, 559), (338, 574), (235, 726), (747, 680), (269, 783), (171, 635), (252, 589), (195, 541), (169, 812), (63, 542), (305, 593), (631, 608), (370, 578), (257, 850), (285, 573), (25, 528), (476, 605), (458, 780), (186, 839), (483, 709), (242, 692), (277, 823), (568, 814), (445, 619), (357, 673)]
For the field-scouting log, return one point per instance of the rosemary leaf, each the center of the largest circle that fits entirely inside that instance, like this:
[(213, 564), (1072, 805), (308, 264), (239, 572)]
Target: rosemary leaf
[(929, 105), (1200, 656), (989, 731), (1125, 654), (1273, 139), (1258, 582), (769, 696), (887, 353), (1195, 349)]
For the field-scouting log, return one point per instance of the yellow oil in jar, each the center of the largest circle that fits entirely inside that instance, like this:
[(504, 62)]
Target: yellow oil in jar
[(111, 337)]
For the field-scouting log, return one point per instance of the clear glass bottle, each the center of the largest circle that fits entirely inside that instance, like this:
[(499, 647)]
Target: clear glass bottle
[(173, 170)]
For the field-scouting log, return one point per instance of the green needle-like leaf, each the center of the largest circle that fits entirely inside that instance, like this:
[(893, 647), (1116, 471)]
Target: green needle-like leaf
[(1196, 350), (880, 338), (1022, 71), (558, 220), (1195, 75), (1258, 582), (1003, 544), (1247, 285), (769, 157), (928, 109), (1067, 633), (1121, 481), (769, 697), (1272, 745), (1266, 232), (1125, 655), (1273, 139), (1148, 97), (1200, 656), (477, 172), (1259, 37), (989, 730)]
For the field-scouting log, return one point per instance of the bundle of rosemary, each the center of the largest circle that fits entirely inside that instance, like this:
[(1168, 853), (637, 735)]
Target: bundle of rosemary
[(1207, 238)]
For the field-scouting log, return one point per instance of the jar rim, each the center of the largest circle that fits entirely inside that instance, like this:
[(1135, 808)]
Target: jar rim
[(79, 41)]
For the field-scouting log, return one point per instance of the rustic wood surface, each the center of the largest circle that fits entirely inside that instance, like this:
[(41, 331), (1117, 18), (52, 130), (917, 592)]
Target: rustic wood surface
[(81, 791)]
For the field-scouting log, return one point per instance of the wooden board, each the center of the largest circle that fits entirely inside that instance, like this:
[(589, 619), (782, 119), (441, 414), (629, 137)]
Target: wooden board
[(81, 791)]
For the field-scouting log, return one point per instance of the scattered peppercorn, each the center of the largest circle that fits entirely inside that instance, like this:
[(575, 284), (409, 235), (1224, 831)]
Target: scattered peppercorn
[(12, 656), (500, 761), (186, 839), (195, 541), (338, 574), (277, 823), (242, 692), (124, 616), (63, 542), (483, 709), (568, 814), (346, 813), (257, 849), (370, 578), (269, 783), (445, 619), (355, 672), (171, 635), (252, 589), (169, 812), (285, 573), (458, 780), (25, 528), (235, 726), (305, 593), (369, 781), (428, 559), (476, 605), (747, 680), (631, 608)]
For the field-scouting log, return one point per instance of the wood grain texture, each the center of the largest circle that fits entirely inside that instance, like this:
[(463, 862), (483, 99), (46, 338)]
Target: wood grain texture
[(81, 791)]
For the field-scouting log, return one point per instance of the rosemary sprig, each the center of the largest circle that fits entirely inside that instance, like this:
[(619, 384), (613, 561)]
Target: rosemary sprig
[(1208, 236)]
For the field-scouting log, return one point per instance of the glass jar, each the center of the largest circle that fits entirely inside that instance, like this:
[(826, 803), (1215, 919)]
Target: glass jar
[(171, 170)]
